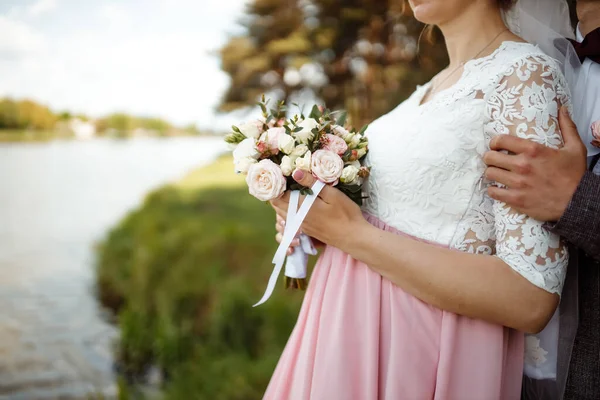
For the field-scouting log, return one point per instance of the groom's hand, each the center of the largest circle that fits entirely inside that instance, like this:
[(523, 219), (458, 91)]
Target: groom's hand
[(540, 181)]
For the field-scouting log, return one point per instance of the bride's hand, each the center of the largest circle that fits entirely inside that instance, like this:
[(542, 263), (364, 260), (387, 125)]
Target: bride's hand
[(280, 228), (331, 219)]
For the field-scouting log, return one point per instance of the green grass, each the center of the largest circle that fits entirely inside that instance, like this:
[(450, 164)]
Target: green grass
[(182, 273)]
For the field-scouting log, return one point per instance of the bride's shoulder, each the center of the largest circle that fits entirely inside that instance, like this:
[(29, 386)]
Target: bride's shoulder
[(523, 54)]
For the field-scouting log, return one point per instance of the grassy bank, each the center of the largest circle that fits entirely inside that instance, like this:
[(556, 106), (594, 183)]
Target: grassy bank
[(182, 273)]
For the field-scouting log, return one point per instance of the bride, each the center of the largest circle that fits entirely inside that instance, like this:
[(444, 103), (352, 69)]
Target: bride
[(424, 293)]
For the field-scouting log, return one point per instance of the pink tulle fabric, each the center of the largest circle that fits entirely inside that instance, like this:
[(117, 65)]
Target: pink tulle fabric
[(358, 336)]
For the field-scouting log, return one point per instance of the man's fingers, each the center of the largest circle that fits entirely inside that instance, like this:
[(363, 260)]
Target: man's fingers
[(505, 177), (568, 128), (499, 160), (510, 197), (512, 144)]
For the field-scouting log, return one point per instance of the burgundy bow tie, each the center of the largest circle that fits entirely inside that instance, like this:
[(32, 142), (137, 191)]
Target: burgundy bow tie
[(590, 47)]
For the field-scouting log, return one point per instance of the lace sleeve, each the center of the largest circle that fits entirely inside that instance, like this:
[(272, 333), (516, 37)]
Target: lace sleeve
[(525, 103)]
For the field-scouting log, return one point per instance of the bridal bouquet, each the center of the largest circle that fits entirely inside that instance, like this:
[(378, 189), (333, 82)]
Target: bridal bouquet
[(268, 150)]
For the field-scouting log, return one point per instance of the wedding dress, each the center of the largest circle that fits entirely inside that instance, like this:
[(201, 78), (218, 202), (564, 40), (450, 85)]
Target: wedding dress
[(359, 336)]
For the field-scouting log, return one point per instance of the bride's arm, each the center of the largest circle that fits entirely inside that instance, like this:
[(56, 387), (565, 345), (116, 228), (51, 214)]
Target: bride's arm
[(477, 286), (516, 287)]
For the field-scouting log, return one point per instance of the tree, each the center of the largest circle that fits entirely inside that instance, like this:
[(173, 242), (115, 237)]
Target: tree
[(25, 114), (256, 62), (360, 55)]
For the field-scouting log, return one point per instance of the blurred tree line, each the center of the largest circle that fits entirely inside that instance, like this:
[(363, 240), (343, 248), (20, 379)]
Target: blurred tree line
[(365, 56), (25, 114), (28, 115)]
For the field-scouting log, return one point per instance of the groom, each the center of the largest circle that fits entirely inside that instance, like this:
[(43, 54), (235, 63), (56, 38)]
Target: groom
[(558, 186)]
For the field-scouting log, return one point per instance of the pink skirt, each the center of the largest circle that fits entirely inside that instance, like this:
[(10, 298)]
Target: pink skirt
[(360, 337)]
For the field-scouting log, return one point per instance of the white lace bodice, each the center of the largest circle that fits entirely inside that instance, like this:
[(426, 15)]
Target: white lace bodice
[(427, 166)]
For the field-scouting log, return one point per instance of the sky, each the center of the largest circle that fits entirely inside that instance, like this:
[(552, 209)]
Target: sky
[(144, 57)]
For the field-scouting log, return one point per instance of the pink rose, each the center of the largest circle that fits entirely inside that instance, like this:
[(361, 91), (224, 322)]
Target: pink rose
[(277, 123), (260, 125), (271, 138), (334, 143), (596, 133), (265, 180), (327, 166)]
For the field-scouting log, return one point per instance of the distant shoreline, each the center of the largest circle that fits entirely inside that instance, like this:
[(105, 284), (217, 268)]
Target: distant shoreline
[(21, 136)]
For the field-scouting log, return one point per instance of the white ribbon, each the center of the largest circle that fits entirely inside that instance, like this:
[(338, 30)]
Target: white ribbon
[(293, 222), (295, 265)]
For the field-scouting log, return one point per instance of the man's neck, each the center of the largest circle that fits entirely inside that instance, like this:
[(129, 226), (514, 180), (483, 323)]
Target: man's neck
[(588, 13)]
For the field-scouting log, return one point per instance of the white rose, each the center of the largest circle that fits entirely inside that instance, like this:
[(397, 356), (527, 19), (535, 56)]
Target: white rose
[(265, 180), (306, 134), (246, 149), (242, 165), (250, 129), (327, 166), (286, 143), (348, 137), (299, 150), (340, 131), (361, 152), (355, 141), (349, 175), (287, 166), (304, 162)]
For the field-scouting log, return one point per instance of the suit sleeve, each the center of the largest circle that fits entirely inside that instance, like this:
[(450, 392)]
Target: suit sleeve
[(580, 224)]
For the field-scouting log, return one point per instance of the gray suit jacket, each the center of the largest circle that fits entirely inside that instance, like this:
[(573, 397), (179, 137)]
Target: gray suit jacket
[(580, 225)]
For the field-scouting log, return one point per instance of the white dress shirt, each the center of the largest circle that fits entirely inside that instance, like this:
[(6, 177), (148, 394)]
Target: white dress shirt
[(590, 71)]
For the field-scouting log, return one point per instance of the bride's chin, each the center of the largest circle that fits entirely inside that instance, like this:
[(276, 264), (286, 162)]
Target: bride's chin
[(426, 13)]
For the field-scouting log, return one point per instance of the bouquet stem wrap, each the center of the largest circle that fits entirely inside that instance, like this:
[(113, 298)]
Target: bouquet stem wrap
[(296, 265)]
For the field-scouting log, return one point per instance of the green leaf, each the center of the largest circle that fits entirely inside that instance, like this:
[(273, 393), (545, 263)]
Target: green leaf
[(342, 119), (315, 112), (235, 129), (231, 138), (354, 192), (263, 108), (363, 129), (298, 129)]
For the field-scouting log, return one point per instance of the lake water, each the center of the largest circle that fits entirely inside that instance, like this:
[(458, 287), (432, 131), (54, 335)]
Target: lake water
[(56, 200)]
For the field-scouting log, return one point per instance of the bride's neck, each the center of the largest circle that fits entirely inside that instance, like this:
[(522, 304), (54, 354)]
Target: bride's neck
[(471, 31)]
